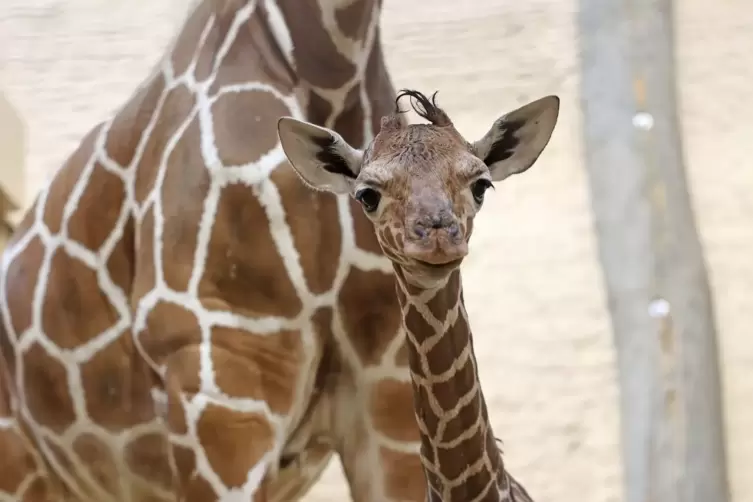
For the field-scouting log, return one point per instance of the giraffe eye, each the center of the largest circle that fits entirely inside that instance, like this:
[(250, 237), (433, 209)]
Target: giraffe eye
[(478, 189), (369, 199)]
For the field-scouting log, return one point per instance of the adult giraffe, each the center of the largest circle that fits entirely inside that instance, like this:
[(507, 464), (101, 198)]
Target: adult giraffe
[(181, 317), (422, 186)]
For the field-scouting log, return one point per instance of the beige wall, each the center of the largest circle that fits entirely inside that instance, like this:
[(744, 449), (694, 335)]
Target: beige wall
[(534, 285), (12, 176)]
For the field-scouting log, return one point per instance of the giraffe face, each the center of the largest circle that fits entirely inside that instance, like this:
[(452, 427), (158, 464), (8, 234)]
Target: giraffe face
[(422, 184)]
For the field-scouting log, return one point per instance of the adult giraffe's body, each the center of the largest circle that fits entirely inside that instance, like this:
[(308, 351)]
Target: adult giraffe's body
[(181, 316)]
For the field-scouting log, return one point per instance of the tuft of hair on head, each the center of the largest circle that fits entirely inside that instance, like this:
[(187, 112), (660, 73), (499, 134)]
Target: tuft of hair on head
[(426, 108)]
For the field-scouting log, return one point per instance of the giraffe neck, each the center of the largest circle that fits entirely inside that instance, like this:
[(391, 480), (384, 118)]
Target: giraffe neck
[(458, 449), (333, 47)]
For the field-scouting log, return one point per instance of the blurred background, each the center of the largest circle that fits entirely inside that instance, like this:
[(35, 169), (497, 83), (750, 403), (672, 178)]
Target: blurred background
[(534, 286)]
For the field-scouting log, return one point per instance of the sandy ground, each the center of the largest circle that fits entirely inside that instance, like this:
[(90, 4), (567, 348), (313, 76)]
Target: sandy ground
[(534, 287)]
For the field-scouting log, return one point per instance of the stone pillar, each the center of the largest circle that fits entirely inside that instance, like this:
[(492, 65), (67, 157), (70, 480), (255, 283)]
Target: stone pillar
[(12, 153)]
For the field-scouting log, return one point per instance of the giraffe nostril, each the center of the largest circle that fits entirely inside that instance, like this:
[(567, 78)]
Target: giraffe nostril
[(419, 230), (454, 230)]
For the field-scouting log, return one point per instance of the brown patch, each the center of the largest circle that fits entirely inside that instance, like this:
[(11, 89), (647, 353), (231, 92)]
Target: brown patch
[(145, 277), (350, 121), (169, 329), (318, 109), (414, 359), (454, 461), (363, 229), (243, 267), (417, 327), (186, 45), (234, 442), (466, 417), (99, 462), (120, 264), (244, 125), (474, 486), (177, 108), (446, 351), (331, 363), (129, 124), (20, 281), (370, 312), (75, 310), (98, 209), (185, 187), (354, 18), (47, 391), (263, 367), (148, 457), (391, 408), (313, 220), (66, 178), (263, 63), (462, 382), (444, 301), (16, 462), (199, 490), (36, 491), (403, 475), (185, 461), (317, 59), (425, 411), (116, 384)]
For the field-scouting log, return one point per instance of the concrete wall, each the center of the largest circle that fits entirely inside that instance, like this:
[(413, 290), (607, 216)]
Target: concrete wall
[(534, 286)]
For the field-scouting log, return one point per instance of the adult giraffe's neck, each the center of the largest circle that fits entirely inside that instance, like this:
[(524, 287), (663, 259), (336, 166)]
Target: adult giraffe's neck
[(459, 451), (337, 53)]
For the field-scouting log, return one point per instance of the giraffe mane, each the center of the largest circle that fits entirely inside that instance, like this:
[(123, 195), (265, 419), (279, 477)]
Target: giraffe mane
[(426, 108)]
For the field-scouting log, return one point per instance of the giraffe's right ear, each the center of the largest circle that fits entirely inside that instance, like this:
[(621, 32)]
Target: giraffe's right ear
[(321, 157)]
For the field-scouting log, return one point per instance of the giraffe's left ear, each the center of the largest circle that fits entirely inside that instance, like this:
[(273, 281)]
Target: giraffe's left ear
[(517, 139), (320, 156)]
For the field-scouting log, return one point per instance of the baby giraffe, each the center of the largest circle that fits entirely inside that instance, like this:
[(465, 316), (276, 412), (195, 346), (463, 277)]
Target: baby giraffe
[(422, 185)]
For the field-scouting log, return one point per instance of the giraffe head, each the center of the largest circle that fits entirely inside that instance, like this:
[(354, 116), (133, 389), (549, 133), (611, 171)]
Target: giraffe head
[(421, 184)]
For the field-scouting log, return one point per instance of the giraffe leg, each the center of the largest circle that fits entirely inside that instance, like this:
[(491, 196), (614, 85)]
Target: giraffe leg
[(299, 472), (380, 451)]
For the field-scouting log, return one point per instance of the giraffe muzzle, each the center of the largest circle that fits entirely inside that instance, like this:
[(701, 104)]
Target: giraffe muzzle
[(436, 245)]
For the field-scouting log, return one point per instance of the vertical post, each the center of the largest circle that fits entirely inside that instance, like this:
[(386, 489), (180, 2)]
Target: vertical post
[(653, 265)]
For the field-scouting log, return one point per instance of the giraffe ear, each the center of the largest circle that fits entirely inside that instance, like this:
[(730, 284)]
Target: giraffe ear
[(517, 139), (320, 156)]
